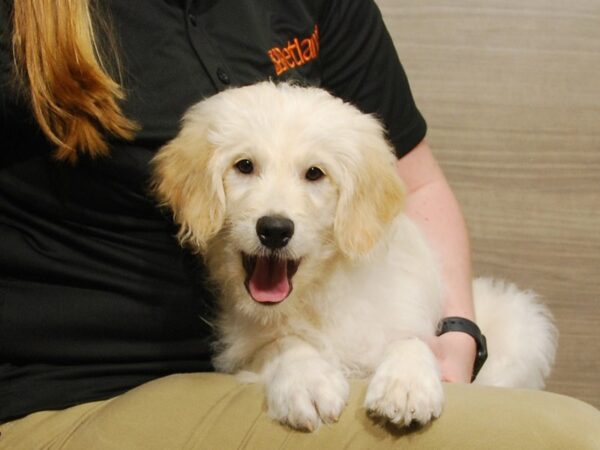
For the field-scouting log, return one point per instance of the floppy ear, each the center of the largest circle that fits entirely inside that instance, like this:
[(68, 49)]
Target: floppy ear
[(370, 200), (186, 180)]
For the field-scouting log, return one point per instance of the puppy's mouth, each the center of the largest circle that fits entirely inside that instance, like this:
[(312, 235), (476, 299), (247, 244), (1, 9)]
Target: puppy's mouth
[(269, 277)]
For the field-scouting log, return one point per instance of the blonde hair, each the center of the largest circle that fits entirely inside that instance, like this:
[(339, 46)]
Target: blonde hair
[(73, 98)]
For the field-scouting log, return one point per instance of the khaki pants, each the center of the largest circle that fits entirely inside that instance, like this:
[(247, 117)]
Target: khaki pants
[(213, 411)]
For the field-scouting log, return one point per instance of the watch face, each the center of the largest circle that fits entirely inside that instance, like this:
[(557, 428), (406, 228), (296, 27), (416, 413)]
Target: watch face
[(482, 355)]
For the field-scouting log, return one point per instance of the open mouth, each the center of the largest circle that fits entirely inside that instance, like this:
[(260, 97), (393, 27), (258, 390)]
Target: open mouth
[(269, 278)]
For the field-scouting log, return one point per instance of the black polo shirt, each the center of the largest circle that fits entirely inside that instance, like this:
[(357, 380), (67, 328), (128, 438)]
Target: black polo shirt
[(96, 296)]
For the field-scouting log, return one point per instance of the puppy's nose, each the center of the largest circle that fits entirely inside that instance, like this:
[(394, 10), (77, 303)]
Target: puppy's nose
[(274, 231)]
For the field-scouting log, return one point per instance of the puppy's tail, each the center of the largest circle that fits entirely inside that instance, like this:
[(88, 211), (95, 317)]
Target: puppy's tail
[(520, 332)]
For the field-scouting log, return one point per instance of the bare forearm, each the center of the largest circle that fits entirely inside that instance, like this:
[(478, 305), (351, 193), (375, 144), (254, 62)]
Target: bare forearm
[(433, 207)]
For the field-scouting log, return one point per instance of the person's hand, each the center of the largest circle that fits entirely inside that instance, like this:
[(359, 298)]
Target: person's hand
[(455, 352)]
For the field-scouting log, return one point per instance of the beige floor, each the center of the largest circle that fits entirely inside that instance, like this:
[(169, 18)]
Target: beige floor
[(511, 92)]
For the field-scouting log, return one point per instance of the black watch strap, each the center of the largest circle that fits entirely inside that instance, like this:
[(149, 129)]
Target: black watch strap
[(466, 326)]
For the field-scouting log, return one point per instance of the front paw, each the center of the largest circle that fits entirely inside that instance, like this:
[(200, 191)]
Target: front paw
[(304, 395), (406, 387)]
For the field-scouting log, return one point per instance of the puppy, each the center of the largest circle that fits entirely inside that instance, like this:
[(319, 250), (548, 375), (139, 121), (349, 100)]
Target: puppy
[(291, 197)]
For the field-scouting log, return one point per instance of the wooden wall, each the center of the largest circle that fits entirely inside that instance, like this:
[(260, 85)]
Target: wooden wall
[(511, 92)]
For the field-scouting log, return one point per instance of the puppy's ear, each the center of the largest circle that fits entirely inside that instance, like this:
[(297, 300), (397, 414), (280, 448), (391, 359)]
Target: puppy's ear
[(187, 181), (373, 196)]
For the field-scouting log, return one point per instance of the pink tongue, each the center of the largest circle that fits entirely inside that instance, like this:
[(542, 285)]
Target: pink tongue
[(269, 281)]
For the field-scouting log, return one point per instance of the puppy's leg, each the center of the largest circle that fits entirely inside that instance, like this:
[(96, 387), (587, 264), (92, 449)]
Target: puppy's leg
[(407, 385), (302, 388)]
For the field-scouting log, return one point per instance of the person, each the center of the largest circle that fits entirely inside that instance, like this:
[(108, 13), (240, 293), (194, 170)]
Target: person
[(96, 295)]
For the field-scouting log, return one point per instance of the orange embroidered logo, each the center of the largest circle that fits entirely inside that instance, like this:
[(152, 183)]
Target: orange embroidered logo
[(296, 53)]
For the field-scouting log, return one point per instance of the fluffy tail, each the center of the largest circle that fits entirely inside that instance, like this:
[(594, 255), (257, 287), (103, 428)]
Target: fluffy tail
[(520, 332)]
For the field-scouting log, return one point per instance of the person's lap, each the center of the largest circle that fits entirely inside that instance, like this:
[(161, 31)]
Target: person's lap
[(213, 411)]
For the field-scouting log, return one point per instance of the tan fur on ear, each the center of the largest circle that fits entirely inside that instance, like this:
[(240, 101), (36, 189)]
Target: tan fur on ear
[(185, 182), (374, 197)]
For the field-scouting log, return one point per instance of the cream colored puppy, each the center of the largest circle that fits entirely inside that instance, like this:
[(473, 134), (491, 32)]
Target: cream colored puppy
[(291, 197)]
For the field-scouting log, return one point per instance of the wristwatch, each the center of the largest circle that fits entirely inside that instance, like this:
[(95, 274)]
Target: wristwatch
[(466, 326)]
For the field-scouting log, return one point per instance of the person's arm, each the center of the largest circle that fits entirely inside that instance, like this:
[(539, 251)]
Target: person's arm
[(433, 207)]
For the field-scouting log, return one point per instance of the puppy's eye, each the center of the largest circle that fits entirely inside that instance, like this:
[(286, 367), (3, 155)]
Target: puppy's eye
[(244, 166), (314, 173)]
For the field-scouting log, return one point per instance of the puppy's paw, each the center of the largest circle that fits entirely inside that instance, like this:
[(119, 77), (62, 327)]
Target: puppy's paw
[(304, 395), (406, 388)]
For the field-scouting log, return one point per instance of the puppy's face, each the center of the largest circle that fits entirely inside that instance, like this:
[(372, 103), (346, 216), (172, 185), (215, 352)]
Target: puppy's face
[(280, 204), (271, 183)]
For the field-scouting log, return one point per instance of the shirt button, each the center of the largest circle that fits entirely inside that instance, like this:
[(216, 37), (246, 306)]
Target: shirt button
[(192, 19), (222, 76)]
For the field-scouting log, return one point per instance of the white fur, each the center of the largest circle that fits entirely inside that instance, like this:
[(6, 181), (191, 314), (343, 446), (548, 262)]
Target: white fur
[(367, 294)]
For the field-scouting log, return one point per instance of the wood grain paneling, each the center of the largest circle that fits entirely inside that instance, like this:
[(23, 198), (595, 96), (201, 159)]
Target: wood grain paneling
[(511, 92)]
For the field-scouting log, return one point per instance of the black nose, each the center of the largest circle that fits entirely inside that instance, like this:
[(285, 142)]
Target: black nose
[(274, 231)]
